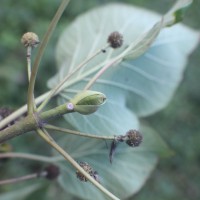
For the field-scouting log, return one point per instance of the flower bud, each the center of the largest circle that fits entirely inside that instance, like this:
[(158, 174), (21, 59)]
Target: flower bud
[(87, 102), (30, 39)]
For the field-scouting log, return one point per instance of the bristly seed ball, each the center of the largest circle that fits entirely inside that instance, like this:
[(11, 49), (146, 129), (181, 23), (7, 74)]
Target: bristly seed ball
[(30, 39), (134, 138), (89, 170), (115, 39)]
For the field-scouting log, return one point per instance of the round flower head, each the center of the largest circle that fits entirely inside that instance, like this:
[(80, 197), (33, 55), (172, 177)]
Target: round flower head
[(134, 138), (115, 39), (30, 39)]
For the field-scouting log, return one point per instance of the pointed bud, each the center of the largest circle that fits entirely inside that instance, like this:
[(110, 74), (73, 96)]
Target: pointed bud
[(87, 102)]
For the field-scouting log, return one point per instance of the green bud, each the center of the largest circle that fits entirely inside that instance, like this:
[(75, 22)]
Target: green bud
[(87, 102)]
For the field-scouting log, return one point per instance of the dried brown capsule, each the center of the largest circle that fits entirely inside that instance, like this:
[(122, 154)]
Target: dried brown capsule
[(134, 138), (115, 39), (30, 39)]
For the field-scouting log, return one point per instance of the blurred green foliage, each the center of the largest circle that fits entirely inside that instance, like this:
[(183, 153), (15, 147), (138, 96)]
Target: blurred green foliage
[(175, 178)]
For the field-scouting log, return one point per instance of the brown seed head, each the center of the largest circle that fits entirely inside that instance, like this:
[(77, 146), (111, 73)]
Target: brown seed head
[(134, 138), (115, 39)]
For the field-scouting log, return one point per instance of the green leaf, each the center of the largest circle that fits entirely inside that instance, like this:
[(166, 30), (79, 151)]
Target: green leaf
[(131, 166), (159, 71), (49, 191), (129, 171), (153, 142), (19, 194), (143, 42), (175, 14), (149, 81), (133, 88)]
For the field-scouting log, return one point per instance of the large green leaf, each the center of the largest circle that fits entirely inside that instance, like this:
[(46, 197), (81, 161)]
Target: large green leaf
[(156, 74), (130, 168), (133, 88), (149, 81)]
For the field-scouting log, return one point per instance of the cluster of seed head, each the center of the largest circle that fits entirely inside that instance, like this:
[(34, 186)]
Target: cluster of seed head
[(115, 39), (89, 170), (30, 39), (133, 138)]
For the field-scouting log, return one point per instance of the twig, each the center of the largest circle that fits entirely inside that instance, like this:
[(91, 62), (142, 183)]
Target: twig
[(41, 52), (31, 157), (64, 130), (19, 179)]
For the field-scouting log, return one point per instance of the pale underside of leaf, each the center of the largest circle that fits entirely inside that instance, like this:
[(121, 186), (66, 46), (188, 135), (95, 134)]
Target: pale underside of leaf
[(160, 68), (133, 88)]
